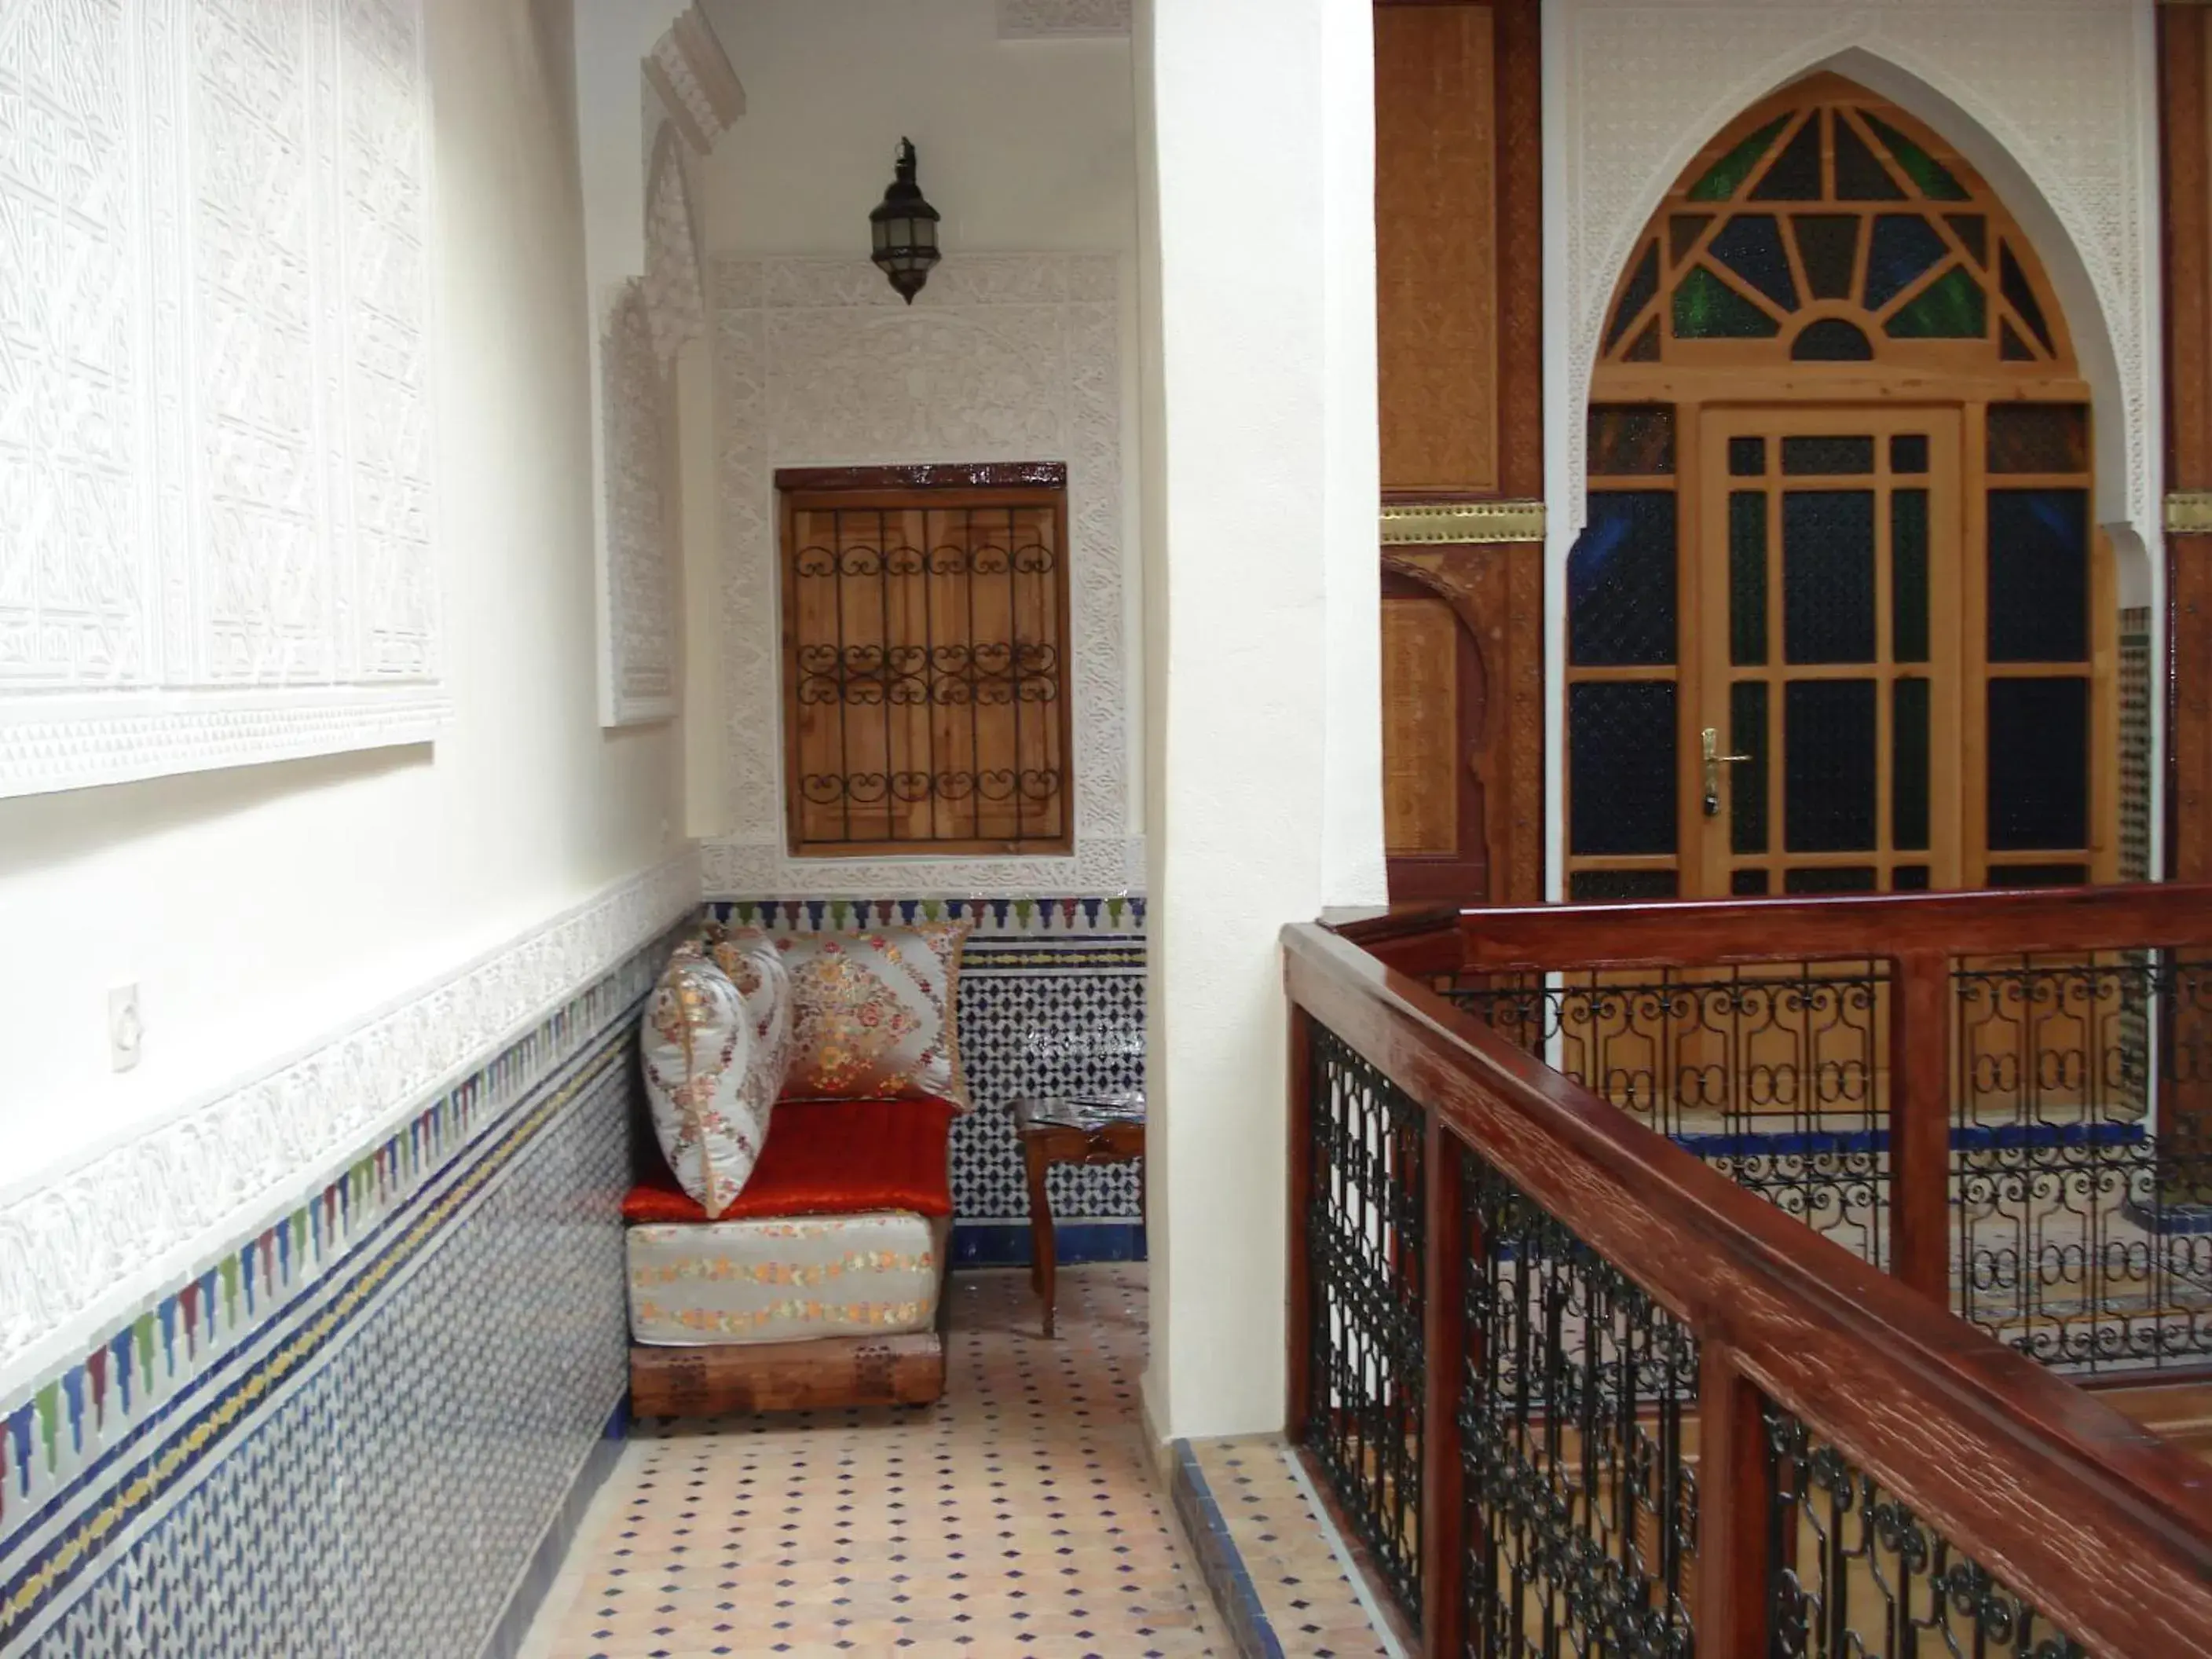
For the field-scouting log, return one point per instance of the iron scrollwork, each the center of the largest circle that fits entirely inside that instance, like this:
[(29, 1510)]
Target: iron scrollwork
[(1581, 1505), (1364, 1257), (1856, 1574)]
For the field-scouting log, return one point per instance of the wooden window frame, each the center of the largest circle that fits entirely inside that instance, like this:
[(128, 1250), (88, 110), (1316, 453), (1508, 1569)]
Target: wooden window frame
[(926, 487)]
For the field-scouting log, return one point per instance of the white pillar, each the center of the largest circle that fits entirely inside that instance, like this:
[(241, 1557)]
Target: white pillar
[(1261, 484)]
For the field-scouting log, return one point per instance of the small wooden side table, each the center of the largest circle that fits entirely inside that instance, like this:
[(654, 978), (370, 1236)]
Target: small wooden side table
[(1071, 1132)]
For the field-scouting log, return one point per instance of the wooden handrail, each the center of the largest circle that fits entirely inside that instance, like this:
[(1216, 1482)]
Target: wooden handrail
[(1725, 932), (2101, 1524)]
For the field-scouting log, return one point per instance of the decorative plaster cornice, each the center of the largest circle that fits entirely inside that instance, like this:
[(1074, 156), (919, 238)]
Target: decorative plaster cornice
[(51, 745), (81, 1247), (1461, 523), (692, 74), (2189, 512), (1032, 20)]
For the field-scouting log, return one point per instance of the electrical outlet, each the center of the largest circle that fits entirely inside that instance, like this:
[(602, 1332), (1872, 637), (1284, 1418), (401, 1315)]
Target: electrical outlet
[(126, 1028)]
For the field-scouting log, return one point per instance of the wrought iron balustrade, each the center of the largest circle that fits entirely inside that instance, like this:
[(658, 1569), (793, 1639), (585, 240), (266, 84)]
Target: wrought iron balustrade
[(1774, 1074), (1574, 1394)]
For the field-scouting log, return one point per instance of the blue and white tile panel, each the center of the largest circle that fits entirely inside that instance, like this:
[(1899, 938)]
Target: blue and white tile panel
[(1052, 1001), (345, 1433)]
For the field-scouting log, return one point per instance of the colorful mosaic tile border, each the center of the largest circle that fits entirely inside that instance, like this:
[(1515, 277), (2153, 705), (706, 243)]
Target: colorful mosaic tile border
[(88, 1456), (1017, 917)]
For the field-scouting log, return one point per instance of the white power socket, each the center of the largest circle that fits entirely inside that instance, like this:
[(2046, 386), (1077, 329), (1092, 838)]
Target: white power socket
[(126, 1028)]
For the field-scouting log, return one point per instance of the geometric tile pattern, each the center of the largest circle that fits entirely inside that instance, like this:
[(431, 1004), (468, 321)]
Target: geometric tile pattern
[(1020, 1515), (364, 1462), (1052, 1001), (1286, 1541), (2134, 744)]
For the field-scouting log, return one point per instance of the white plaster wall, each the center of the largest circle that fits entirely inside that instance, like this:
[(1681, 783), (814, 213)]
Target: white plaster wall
[(1026, 147), (1261, 471), (259, 910)]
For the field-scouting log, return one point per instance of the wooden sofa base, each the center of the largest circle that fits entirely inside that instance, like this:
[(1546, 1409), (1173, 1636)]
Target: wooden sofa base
[(826, 1373)]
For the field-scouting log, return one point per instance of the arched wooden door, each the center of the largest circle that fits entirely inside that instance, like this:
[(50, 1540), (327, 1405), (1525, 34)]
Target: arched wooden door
[(1436, 740), (1839, 620)]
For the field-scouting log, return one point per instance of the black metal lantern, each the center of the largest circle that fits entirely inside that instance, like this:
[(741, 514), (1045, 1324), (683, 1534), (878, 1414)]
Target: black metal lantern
[(904, 229)]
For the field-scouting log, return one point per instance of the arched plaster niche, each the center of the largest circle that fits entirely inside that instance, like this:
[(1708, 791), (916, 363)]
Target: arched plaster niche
[(2055, 102)]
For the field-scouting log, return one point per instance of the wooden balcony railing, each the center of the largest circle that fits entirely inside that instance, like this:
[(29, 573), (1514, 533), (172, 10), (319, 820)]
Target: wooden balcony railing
[(1577, 1392), (2005, 1099)]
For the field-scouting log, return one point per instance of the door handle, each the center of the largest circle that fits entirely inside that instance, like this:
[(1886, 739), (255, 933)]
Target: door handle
[(1708, 742)]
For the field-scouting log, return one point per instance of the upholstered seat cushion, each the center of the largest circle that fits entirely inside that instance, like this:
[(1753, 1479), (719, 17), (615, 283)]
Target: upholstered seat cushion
[(790, 1280), (829, 1158)]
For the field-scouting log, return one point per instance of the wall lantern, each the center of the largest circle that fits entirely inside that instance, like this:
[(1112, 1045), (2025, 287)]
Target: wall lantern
[(904, 228)]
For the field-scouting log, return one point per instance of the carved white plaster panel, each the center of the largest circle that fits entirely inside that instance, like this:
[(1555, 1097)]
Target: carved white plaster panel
[(1022, 19), (2063, 86), (1003, 358), (675, 291), (640, 577), (215, 447), (692, 73), (80, 1246)]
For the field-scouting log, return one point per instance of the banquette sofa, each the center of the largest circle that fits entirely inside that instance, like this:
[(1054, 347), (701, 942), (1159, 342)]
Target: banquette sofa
[(786, 1248)]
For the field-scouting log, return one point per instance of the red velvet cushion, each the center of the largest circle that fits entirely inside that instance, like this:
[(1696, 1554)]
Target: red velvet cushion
[(829, 1158)]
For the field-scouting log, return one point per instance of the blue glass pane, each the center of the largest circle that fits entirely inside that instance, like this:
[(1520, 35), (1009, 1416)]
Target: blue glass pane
[(2038, 793), (1620, 581), (1905, 249), (1827, 576), (1620, 768), (1750, 245), (1828, 748), (2038, 598)]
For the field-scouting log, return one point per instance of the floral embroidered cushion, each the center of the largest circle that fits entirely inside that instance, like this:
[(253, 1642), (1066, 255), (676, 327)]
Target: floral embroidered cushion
[(698, 1042), (874, 1014), (755, 968)]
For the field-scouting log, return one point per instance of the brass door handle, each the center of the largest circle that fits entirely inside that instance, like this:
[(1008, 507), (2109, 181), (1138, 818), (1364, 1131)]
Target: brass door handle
[(1709, 741)]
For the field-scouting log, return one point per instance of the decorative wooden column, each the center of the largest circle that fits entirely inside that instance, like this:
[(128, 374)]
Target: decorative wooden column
[(1459, 250), (2184, 42)]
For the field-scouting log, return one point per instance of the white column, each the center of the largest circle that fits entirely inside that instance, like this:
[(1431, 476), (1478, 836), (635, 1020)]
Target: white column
[(1262, 482)]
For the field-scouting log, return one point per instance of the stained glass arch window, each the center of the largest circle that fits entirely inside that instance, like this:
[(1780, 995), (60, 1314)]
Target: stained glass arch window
[(1826, 226)]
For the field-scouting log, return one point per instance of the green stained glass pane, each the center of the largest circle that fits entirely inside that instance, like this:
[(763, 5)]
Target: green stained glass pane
[(1707, 308), (1746, 780), (1908, 802), (1908, 576), (1748, 578), (1935, 180), (1643, 284), (1952, 307), (1726, 176)]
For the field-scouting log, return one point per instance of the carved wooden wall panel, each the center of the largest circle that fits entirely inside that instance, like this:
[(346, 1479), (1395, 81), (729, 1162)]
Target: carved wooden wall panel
[(1423, 725), (2186, 64), (1459, 192), (1436, 248)]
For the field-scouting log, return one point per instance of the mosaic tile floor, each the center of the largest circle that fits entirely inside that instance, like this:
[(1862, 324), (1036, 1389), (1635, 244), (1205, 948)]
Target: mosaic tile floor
[(1301, 1579), (1020, 1515)]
